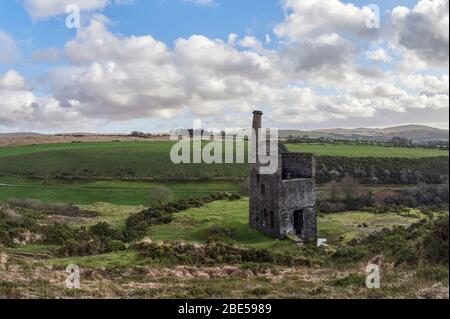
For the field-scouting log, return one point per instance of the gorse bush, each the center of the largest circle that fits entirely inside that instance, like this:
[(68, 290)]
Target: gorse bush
[(425, 242), (59, 234), (105, 230), (136, 225), (13, 224), (434, 247), (214, 253), (348, 255), (356, 280), (81, 241)]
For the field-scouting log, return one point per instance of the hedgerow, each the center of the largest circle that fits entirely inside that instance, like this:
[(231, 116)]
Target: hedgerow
[(374, 170)]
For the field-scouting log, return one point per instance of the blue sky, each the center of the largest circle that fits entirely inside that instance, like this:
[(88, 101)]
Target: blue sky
[(309, 95), (157, 17)]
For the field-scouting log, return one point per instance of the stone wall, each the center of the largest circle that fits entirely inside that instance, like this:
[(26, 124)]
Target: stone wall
[(298, 165)]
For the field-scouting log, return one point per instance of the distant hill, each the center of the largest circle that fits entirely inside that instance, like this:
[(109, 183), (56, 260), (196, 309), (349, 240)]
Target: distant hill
[(19, 134), (415, 133)]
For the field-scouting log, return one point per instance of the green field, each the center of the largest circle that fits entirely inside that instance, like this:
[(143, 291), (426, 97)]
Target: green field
[(364, 151), (113, 159), (115, 192), (124, 172), (152, 160)]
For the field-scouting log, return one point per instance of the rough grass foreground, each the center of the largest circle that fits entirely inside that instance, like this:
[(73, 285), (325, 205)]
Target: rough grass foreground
[(23, 280), (209, 252)]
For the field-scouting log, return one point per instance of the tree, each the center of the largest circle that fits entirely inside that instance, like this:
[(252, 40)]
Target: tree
[(400, 141), (138, 134), (160, 196)]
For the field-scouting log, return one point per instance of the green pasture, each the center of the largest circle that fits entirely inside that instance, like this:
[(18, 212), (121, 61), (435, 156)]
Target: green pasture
[(124, 172), (109, 191), (151, 160)]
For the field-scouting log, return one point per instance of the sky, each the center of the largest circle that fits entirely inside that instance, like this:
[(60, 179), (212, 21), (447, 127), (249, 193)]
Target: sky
[(155, 65)]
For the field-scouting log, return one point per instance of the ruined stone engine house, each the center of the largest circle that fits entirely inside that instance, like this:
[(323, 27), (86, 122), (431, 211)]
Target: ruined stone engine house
[(283, 204)]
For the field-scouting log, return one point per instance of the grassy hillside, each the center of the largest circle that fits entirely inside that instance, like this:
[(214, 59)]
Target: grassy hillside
[(84, 173), (118, 160), (415, 133), (151, 160), (115, 192)]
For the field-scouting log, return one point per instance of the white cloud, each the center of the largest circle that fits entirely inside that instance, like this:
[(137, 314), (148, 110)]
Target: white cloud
[(313, 74), (42, 9), (119, 77), (11, 80), (309, 18), (426, 84), (423, 32), (21, 108)]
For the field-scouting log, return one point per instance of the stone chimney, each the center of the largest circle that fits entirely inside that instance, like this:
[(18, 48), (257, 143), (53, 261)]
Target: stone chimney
[(257, 120), (257, 125)]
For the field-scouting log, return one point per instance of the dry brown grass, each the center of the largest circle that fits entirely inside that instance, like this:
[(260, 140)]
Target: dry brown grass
[(7, 140), (26, 279)]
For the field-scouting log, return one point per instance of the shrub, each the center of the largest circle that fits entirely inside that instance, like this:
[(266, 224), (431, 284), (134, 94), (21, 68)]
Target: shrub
[(347, 255), (160, 196), (80, 248), (435, 245), (136, 225), (59, 234), (114, 246), (98, 239), (104, 230), (425, 242), (357, 280), (13, 224), (213, 253), (405, 255)]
